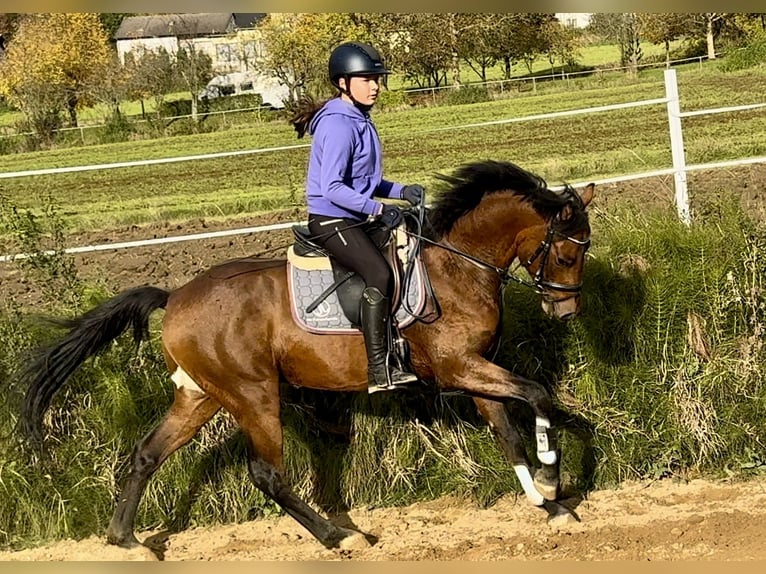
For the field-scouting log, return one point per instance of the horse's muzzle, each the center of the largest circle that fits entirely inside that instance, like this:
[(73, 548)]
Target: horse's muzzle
[(563, 309)]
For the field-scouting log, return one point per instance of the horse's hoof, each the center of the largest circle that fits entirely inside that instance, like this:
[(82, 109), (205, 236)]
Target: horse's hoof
[(549, 491), (128, 542), (559, 515), (355, 541)]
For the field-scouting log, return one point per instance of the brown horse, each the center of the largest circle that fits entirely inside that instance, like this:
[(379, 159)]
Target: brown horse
[(229, 339)]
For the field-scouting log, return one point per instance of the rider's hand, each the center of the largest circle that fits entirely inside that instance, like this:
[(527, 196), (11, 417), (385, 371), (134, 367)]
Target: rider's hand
[(413, 193), (391, 216)]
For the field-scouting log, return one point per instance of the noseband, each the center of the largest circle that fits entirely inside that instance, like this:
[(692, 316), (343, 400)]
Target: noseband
[(543, 251), (507, 275)]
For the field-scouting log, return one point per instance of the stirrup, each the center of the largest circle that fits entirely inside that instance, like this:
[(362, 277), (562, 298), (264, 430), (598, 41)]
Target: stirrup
[(373, 388), (395, 379), (400, 377)]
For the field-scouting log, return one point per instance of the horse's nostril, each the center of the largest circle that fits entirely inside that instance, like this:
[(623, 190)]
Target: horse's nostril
[(567, 316)]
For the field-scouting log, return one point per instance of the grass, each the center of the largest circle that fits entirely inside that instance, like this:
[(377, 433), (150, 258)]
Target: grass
[(638, 397), (575, 148), (588, 56)]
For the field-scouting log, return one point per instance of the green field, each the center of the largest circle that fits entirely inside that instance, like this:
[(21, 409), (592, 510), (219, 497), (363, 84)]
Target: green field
[(416, 147)]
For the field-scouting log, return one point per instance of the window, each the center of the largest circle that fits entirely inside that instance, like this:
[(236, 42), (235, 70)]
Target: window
[(225, 54)]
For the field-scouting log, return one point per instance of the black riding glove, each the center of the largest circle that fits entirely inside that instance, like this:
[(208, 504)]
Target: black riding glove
[(413, 193), (391, 216)]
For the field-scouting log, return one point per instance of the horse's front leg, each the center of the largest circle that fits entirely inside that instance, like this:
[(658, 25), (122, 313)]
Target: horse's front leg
[(480, 378), (541, 490)]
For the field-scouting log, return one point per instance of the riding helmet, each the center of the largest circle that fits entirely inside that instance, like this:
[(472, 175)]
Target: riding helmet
[(355, 59)]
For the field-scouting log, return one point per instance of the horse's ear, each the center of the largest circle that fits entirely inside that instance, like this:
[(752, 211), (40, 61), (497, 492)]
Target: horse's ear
[(587, 194)]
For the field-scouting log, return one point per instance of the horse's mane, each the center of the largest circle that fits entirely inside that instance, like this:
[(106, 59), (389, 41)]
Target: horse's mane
[(464, 189)]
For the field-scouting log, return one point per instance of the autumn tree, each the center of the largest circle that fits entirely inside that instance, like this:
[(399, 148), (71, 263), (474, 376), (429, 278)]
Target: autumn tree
[(8, 25), (297, 48), (49, 63)]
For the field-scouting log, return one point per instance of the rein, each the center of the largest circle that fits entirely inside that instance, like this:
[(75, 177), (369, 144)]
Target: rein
[(507, 274)]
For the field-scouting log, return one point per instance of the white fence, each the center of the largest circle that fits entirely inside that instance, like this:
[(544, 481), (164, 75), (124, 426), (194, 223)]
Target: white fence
[(678, 170)]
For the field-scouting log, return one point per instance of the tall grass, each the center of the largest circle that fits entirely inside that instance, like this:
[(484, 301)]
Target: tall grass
[(662, 375)]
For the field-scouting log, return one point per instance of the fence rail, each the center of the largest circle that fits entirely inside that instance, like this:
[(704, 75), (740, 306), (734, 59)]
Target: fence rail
[(678, 170)]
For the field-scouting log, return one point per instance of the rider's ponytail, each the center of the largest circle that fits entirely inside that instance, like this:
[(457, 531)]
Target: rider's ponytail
[(305, 112)]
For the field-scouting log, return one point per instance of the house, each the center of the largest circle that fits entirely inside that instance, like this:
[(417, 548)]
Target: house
[(231, 40), (574, 19)]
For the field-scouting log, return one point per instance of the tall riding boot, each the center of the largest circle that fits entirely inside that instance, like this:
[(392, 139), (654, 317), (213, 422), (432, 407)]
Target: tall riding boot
[(374, 316)]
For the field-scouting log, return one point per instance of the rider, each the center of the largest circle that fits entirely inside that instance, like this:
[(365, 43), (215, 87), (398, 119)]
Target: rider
[(344, 174)]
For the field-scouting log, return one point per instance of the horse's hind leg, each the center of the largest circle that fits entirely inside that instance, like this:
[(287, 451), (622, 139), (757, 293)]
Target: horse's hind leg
[(189, 412), (263, 427), (543, 489)]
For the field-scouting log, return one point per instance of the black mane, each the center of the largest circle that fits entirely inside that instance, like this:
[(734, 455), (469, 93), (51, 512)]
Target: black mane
[(464, 189)]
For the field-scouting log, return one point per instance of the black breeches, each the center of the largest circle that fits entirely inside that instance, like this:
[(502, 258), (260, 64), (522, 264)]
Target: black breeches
[(354, 249)]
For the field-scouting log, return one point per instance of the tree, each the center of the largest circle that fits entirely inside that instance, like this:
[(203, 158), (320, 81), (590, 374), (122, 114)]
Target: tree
[(151, 74), (426, 56), (194, 69), (111, 21), (49, 64), (559, 43), (477, 47), (298, 46), (663, 28), (519, 37), (622, 28)]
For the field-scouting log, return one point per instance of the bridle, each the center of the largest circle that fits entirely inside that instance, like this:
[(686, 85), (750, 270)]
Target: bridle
[(508, 274), (543, 251)]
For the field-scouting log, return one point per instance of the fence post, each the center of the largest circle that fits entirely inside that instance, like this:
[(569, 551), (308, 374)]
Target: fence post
[(677, 146)]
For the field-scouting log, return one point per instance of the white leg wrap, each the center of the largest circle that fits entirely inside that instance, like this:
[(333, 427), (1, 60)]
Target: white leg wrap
[(184, 381), (525, 479), (544, 452)]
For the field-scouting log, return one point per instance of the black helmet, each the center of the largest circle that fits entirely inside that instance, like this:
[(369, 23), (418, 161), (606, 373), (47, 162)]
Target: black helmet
[(355, 59)]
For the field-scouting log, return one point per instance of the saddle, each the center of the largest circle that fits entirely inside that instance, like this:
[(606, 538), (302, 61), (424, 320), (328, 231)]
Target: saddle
[(325, 296)]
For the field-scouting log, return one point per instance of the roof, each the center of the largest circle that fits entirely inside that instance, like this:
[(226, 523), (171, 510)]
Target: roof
[(248, 20), (160, 25)]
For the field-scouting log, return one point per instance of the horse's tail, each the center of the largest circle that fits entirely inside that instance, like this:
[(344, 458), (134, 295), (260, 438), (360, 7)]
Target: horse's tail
[(88, 334)]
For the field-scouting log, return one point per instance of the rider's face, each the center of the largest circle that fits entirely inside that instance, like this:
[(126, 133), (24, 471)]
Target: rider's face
[(364, 89)]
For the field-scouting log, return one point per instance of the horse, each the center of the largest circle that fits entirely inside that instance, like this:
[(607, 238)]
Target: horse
[(229, 340)]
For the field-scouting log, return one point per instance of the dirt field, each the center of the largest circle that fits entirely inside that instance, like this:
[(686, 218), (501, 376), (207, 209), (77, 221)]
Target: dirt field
[(653, 521), (665, 520)]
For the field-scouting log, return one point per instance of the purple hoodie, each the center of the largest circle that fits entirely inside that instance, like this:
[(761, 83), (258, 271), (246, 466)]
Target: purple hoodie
[(345, 168)]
